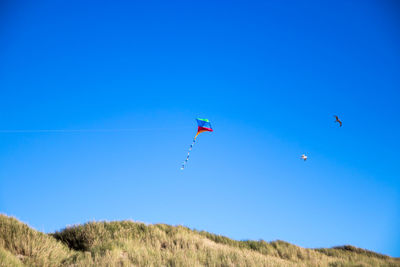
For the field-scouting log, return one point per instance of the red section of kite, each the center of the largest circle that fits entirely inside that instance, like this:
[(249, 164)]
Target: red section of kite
[(203, 129)]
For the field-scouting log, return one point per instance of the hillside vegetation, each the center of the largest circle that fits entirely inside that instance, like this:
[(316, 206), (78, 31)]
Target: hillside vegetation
[(128, 243)]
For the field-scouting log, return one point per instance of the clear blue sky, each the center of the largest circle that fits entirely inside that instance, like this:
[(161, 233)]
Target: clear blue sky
[(269, 75)]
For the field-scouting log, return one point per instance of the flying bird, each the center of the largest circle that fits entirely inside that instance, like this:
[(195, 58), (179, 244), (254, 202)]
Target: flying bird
[(304, 157), (337, 120)]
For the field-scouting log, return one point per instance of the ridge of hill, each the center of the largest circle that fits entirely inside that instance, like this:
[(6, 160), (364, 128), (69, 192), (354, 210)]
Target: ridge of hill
[(128, 243)]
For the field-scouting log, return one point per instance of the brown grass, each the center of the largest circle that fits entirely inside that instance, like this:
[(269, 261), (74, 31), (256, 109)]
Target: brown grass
[(128, 243)]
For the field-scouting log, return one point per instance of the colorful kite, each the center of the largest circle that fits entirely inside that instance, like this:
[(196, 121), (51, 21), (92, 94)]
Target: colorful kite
[(203, 125)]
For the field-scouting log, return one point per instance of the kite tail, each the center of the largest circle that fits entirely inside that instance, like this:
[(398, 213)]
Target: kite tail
[(190, 149)]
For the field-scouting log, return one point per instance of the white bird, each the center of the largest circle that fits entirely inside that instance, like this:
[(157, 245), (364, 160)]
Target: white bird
[(304, 157)]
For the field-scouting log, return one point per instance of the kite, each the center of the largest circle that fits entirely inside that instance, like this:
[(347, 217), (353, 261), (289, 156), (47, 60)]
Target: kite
[(203, 125), (304, 157), (337, 120)]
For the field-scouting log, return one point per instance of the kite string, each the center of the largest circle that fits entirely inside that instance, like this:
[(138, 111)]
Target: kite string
[(87, 130), (187, 158)]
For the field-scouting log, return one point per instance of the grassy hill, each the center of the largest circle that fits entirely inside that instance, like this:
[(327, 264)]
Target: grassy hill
[(128, 243)]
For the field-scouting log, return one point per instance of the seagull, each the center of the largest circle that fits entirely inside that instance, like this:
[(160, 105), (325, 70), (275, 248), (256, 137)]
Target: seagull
[(303, 157), (337, 120)]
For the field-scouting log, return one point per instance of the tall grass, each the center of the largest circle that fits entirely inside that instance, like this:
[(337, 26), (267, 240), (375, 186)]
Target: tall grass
[(128, 243)]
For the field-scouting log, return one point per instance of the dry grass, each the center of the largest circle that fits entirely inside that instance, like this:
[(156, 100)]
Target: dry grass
[(30, 246), (128, 243)]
